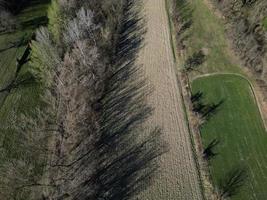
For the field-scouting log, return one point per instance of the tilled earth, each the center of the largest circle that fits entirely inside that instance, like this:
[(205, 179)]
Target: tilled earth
[(178, 177)]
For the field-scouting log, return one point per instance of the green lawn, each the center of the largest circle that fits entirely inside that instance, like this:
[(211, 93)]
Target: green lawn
[(239, 127)]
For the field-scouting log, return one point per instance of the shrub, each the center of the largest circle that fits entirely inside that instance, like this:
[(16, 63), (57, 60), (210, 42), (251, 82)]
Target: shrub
[(55, 18)]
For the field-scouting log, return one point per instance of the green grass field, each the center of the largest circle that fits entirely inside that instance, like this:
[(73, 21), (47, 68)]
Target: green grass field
[(24, 99), (207, 32), (239, 127), (21, 98)]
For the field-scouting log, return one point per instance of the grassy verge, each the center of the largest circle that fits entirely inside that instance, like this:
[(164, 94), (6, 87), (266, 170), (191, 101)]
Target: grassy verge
[(207, 32), (239, 127)]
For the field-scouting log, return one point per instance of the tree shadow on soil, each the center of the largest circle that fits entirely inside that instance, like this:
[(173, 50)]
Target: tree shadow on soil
[(124, 151)]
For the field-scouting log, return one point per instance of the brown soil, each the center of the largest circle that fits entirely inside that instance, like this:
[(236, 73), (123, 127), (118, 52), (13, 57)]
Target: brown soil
[(178, 177)]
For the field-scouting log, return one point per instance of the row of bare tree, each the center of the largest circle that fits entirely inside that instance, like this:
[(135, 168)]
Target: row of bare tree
[(88, 139)]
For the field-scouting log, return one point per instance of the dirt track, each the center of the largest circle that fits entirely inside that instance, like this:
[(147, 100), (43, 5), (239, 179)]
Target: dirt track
[(178, 177)]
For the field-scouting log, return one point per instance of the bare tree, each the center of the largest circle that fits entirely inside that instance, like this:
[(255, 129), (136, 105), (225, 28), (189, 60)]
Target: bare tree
[(98, 109), (80, 27)]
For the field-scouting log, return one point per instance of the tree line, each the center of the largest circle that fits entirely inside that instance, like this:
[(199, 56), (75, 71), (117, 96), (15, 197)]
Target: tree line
[(88, 139)]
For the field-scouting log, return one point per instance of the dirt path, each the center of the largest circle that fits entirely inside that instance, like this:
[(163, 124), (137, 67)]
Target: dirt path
[(178, 177)]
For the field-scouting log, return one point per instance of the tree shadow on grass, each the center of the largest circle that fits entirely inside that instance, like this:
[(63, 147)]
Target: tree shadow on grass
[(26, 7), (24, 40), (196, 97), (209, 151), (233, 181), (205, 111), (34, 23), (16, 6), (19, 80), (183, 18)]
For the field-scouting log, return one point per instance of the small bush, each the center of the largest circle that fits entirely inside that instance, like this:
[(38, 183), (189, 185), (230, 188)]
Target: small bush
[(55, 18)]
